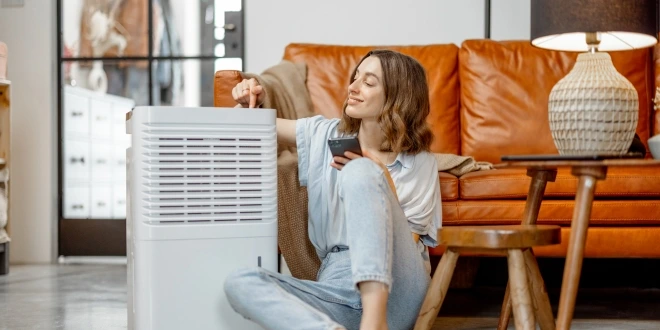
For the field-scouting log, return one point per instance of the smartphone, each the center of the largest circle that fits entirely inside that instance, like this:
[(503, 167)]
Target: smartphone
[(338, 146)]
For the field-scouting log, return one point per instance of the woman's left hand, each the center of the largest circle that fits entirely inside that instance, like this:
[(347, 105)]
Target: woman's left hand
[(339, 162)]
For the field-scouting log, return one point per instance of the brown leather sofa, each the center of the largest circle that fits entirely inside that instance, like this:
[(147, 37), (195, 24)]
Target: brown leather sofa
[(489, 99)]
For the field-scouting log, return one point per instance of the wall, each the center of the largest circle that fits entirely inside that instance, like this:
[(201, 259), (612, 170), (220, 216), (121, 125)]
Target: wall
[(510, 19), (271, 25), (29, 33)]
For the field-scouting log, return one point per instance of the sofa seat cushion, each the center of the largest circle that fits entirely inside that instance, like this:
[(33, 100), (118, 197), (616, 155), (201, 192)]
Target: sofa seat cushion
[(621, 183), (448, 186), (552, 212), (505, 88), (329, 68)]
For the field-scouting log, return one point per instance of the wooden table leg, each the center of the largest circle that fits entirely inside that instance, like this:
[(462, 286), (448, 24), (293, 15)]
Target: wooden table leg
[(523, 309), (588, 176), (540, 178), (437, 290)]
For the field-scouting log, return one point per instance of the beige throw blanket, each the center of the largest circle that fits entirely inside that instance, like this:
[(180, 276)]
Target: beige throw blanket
[(292, 216), (459, 165), (286, 91)]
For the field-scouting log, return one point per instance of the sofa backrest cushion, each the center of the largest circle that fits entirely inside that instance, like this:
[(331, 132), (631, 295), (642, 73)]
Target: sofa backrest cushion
[(329, 68), (504, 90)]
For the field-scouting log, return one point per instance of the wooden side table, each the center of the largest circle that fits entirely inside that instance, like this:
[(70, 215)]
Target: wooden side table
[(588, 173)]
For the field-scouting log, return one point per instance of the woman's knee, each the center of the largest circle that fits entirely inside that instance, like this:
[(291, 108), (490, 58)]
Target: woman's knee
[(238, 284), (359, 172)]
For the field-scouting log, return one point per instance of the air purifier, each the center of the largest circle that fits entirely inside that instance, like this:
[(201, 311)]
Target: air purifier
[(202, 202)]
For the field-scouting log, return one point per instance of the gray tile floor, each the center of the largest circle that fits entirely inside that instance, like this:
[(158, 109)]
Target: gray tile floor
[(94, 297), (63, 297)]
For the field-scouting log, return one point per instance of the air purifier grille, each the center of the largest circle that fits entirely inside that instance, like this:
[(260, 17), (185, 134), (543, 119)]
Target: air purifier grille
[(201, 175)]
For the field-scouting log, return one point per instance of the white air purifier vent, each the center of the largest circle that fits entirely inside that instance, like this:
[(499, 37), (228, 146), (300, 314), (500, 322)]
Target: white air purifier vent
[(216, 175), (202, 203)]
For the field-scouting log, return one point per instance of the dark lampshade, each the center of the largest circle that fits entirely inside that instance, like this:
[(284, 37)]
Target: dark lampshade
[(620, 24)]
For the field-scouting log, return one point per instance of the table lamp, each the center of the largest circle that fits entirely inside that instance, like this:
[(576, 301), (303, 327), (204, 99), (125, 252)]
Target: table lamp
[(594, 109)]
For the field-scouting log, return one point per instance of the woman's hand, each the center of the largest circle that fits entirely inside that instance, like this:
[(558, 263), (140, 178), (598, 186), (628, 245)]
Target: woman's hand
[(248, 93), (339, 162)]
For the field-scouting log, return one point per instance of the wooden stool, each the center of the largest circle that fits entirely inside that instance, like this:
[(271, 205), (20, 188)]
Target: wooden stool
[(509, 241)]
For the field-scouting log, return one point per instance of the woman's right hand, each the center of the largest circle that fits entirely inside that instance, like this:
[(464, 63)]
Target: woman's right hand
[(248, 93)]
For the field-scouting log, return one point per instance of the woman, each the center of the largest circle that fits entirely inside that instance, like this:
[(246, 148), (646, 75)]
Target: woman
[(362, 210)]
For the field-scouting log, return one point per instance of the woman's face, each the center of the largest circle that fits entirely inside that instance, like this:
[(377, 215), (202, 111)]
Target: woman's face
[(366, 95)]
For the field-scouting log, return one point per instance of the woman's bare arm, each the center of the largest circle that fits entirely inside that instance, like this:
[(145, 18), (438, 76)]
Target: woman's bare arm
[(286, 131)]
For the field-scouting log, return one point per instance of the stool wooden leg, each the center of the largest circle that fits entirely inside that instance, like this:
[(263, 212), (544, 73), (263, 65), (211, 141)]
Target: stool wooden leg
[(523, 311), (540, 178), (505, 312), (437, 291), (542, 308)]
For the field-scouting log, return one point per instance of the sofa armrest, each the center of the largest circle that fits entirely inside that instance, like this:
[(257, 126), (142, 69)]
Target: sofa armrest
[(223, 83)]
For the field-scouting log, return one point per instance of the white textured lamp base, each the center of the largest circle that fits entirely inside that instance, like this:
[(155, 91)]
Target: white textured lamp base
[(593, 109)]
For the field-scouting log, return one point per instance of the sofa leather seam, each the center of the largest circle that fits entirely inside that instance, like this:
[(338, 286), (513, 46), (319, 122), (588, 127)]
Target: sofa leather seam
[(466, 181), (565, 204), (562, 194)]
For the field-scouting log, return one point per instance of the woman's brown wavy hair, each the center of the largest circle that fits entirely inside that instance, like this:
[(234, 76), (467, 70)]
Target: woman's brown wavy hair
[(403, 119)]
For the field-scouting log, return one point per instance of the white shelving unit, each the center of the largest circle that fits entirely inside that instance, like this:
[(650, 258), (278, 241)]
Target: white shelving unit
[(94, 154), (5, 124)]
